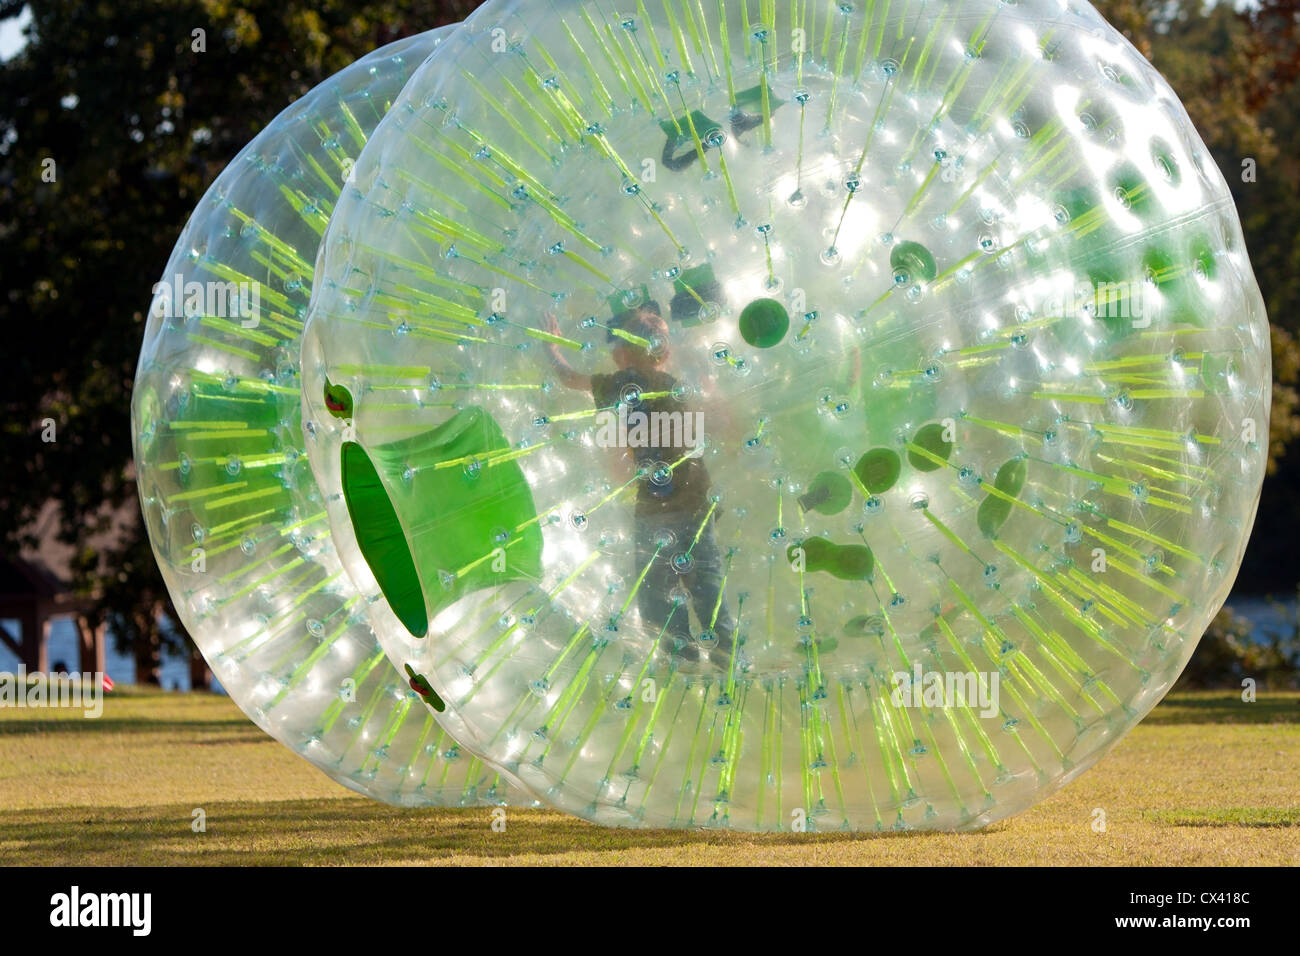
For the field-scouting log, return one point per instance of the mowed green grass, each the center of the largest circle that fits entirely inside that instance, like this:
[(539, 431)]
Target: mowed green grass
[(1205, 779)]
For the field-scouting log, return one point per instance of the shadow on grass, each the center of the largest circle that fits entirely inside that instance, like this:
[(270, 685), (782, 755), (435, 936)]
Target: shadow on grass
[(1225, 707), (342, 832), (1228, 817), (69, 724)]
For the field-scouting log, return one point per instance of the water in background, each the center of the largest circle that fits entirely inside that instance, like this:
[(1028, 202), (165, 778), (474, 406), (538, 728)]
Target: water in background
[(1264, 616), (121, 667)]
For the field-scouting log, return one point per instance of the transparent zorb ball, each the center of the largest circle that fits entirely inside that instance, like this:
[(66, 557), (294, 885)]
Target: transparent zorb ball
[(742, 415), (236, 519)]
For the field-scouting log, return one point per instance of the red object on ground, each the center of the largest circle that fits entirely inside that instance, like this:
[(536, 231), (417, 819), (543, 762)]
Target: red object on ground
[(108, 682)]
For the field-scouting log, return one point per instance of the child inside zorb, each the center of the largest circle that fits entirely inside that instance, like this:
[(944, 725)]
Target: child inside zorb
[(674, 511)]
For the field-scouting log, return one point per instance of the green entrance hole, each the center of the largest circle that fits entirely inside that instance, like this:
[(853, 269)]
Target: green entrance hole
[(382, 540)]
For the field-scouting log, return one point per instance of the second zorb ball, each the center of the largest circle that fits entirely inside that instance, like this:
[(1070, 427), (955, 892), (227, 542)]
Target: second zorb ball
[(236, 520), (781, 415)]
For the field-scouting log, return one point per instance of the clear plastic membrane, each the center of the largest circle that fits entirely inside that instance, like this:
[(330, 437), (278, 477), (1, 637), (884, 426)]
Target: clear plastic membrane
[(781, 416), (789, 415), (236, 519)]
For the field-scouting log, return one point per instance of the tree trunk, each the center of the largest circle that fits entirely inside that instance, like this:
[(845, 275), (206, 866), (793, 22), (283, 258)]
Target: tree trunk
[(91, 646), (200, 676), (148, 651)]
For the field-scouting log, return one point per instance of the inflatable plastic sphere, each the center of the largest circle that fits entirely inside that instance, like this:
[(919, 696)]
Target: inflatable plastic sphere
[(789, 415), (236, 520)]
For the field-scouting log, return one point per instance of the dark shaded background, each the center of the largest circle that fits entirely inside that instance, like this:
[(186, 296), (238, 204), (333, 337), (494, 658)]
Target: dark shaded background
[(139, 125)]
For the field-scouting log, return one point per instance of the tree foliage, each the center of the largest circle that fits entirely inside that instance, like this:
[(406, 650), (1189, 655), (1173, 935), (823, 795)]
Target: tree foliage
[(1232, 651), (139, 113), (1238, 73)]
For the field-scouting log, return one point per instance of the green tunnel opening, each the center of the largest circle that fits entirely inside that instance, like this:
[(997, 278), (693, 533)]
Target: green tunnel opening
[(382, 540)]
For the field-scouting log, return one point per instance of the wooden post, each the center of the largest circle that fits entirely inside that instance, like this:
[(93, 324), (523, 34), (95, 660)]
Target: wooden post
[(15, 644), (36, 632)]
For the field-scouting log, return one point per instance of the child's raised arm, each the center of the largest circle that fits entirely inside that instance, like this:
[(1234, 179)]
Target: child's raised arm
[(568, 376)]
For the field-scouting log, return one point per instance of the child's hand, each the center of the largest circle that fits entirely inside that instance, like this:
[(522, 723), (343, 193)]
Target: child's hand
[(568, 377)]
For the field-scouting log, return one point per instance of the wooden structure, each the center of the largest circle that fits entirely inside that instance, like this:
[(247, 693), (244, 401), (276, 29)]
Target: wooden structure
[(35, 597), (35, 592)]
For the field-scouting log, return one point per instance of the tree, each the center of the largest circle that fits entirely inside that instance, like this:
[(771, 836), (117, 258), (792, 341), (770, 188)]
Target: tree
[(113, 121)]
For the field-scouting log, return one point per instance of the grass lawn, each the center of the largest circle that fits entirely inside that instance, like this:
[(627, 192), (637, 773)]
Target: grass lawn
[(1205, 779)]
